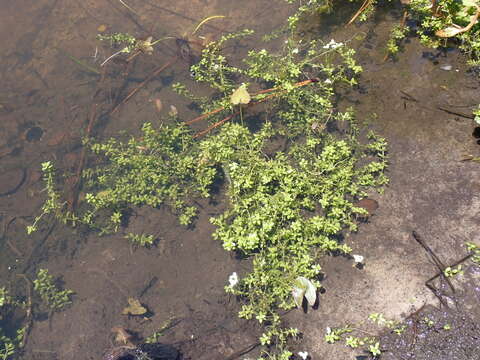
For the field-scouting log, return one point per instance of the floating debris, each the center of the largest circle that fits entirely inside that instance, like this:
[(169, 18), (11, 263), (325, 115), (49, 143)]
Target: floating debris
[(134, 308)]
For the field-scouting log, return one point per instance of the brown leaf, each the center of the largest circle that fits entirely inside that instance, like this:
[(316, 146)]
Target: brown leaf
[(134, 308), (122, 336)]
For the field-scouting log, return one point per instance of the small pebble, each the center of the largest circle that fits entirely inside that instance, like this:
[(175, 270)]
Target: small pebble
[(158, 105), (173, 111), (446, 67)]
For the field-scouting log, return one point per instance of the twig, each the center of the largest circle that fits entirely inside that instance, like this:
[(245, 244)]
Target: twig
[(201, 117), (128, 7), (14, 249), (243, 351), (365, 4), (408, 97), (213, 126), (112, 56), (81, 63), (298, 84), (129, 16), (180, 15), (148, 286), (150, 77), (435, 258), (75, 186), (6, 224), (453, 112)]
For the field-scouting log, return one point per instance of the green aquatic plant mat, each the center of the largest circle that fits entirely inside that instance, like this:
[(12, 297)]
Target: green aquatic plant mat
[(11, 342), (159, 168), (287, 210), (291, 181), (288, 205)]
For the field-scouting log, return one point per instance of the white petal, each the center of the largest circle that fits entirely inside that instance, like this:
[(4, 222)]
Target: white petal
[(303, 355)]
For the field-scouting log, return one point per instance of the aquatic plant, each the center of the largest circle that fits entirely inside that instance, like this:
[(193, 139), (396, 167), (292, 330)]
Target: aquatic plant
[(53, 297), (436, 22), (286, 206), (475, 251), (129, 45), (291, 180), (53, 205), (161, 167), (476, 113), (144, 240), (369, 343), (9, 346), (134, 46), (307, 8), (300, 79), (275, 215)]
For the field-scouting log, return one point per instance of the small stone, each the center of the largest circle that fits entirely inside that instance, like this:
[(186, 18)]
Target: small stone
[(173, 111)]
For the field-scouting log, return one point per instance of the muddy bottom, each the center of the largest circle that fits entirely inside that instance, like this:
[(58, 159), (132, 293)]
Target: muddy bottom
[(450, 331), (46, 102)]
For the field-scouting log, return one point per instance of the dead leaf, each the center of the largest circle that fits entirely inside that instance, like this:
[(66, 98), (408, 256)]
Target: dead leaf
[(134, 308), (122, 336), (145, 46), (240, 96)]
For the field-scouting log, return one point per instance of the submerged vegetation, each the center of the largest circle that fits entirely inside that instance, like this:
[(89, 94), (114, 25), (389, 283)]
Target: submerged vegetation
[(291, 181), (53, 297), (17, 311), (437, 24), (291, 162), (9, 343)]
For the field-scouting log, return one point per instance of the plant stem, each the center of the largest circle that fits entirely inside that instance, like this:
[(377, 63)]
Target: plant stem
[(111, 56)]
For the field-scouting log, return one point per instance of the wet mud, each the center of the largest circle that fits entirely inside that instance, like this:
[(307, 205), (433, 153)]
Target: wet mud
[(448, 331)]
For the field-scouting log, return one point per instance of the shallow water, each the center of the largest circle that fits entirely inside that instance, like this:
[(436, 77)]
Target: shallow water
[(49, 92), (46, 102)]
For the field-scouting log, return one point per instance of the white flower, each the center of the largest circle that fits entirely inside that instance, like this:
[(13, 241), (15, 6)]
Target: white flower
[(303, 355), (233, 279), (358, 259), (329, 330), (295, 51), (328, 81), (332, 45)]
